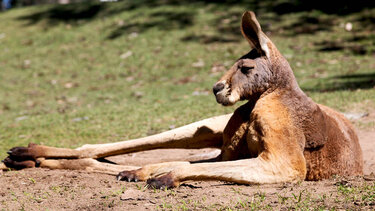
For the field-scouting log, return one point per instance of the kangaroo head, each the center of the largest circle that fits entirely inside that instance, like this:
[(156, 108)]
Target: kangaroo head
[(258, 71)]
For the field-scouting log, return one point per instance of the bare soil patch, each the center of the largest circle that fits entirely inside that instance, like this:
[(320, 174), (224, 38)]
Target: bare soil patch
[(43, 189)]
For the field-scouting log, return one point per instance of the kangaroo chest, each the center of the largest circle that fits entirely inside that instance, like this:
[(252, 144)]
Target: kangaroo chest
[(242, 138), (254, 142)]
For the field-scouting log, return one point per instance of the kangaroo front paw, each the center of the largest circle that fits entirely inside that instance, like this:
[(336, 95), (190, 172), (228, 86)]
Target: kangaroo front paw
[(162, 182), (130, 176)]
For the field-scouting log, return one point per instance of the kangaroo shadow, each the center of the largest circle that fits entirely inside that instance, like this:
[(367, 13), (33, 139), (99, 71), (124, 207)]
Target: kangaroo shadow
[(87, 11), (334, 7), (161, 20), (356, 45), (70, 13), (345, 82), (226, 21)]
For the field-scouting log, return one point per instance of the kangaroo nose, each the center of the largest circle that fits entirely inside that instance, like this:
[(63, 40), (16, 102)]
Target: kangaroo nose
[(218, 87)]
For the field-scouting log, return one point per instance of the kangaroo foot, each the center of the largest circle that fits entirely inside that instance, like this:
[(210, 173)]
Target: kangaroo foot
[(22, 157), (14, 164), (130, 176), (23, 153), (162, 182)]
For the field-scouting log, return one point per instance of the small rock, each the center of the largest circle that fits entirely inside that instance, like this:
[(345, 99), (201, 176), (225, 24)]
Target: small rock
[(198, 93), (78, 119), (138, 94), (343, 183), (129, 79), (133, 35), (355, 116), (53, 82), (21, 118), (68, 85), (370, 177), (126, 55), (288, 56), (199, 63), (226, 21), (334, 61), (72, 100), (26, 63), (348, 26), (120, 22), (152, 201), (357, 203), (30, 103)]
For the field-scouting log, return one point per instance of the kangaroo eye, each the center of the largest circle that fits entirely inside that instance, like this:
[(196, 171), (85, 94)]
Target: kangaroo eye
[(246, 70)]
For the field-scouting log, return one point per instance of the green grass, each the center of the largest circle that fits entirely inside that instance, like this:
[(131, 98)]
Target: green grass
[(296, 197), (109, 72)]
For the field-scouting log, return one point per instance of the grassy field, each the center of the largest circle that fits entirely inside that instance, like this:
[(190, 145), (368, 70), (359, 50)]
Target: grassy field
[(96, 73)]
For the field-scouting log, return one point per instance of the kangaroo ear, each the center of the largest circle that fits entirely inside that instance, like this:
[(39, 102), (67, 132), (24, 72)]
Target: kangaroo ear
[(251, 30)]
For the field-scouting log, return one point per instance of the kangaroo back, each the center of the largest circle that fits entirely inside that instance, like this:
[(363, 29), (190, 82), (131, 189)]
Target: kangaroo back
[(341, 153)]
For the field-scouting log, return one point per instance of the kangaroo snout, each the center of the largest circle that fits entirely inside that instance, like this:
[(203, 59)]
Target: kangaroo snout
[(218, 87)]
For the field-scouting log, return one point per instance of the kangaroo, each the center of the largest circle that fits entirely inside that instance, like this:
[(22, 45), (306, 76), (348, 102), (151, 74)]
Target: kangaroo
[(279, 135)]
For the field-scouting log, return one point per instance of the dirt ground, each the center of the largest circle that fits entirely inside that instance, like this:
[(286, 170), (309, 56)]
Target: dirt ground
[(43, 189)]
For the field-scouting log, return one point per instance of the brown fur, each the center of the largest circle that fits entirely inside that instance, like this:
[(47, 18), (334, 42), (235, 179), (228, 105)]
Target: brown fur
[(318, 130), (279, 135)]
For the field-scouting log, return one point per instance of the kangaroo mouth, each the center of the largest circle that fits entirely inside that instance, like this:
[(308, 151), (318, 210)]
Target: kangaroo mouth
[(226, 97), (223, 101)]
